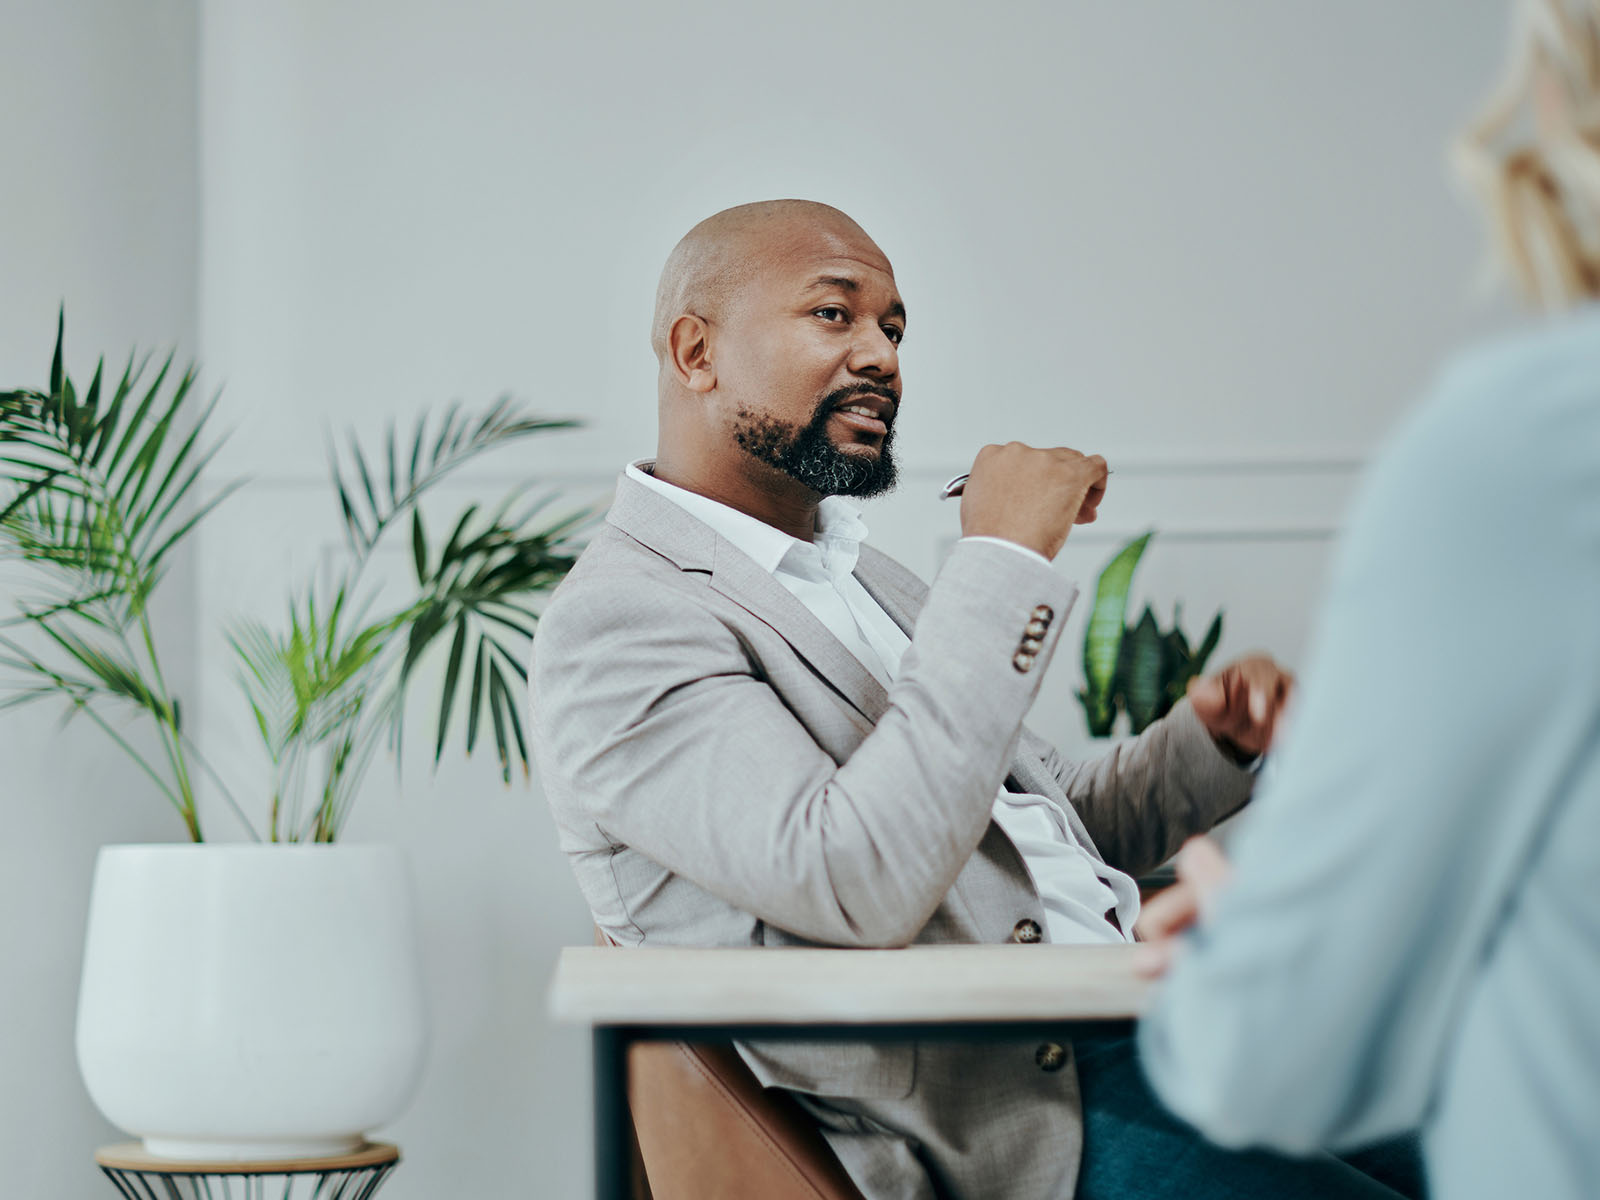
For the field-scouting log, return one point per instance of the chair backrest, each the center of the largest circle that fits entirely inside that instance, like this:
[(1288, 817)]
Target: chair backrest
[(706, 1129)]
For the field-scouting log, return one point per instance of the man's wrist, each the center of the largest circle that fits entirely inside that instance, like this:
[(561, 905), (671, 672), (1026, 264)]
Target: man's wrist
[(1245, 760)]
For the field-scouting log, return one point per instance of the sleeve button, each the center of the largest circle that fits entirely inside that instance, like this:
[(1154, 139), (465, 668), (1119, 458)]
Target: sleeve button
[(1036, 628), (1026, 932), (1022, 661), (1031, 645), (1044, 613)]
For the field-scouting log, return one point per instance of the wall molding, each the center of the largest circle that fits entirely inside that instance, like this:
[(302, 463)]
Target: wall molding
[(1289, 462)]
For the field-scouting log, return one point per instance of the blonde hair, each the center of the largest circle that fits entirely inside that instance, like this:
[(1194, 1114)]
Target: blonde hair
[(1533, 153)]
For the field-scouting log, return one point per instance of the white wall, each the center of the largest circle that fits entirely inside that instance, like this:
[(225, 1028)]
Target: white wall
[(1176, 228), (98, 210), (1214, 242)]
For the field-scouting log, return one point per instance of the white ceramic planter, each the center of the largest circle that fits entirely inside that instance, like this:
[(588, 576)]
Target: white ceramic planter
[(251, 1002)]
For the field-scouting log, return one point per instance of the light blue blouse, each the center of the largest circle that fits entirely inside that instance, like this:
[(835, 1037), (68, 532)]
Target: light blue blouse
[(1412, 935)]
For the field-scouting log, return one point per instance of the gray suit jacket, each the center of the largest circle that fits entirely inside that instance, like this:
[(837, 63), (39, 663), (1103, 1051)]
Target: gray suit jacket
[(723, 772)]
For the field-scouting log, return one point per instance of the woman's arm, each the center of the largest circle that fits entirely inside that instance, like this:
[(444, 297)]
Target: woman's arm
[(1312, 1007)]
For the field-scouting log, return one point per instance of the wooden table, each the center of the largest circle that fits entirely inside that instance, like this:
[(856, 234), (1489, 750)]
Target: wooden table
[(956, 993)]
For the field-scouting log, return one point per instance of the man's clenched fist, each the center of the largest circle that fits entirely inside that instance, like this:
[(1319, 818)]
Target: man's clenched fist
[(1031, 496), (1242, 704)]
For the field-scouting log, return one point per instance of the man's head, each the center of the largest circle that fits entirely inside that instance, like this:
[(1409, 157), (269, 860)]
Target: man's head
[(777, 329)]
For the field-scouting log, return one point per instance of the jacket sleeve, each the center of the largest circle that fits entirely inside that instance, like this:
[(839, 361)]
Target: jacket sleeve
[(1141, 799), (651, 721), (1315, 1005)]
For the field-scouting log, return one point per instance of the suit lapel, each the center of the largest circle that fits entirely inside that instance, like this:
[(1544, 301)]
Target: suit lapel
[(741, 580), (897, 591), (658, 523)]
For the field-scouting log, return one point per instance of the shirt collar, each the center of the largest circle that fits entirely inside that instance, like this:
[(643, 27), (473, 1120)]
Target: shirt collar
[(839, 531)]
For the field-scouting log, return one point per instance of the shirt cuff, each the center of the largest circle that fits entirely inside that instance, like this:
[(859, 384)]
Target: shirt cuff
[(1250, 764), (1017, 546)]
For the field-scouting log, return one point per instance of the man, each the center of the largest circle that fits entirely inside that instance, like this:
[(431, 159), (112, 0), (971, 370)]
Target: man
[(755, 731)]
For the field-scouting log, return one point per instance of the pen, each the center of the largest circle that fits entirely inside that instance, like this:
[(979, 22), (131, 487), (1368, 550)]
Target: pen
[(955, 486)]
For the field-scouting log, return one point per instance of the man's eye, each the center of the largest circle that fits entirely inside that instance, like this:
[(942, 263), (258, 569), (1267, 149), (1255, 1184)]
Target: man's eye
[(838, 314), (894, 333)]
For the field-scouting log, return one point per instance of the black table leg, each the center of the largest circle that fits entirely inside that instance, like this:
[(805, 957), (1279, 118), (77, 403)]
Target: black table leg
[(613, 1154)]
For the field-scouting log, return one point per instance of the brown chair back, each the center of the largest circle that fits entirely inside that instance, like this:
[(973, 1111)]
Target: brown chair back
[(705, 1129)]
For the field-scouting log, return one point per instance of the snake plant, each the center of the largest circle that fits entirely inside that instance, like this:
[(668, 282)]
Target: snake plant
[(1141, 669)]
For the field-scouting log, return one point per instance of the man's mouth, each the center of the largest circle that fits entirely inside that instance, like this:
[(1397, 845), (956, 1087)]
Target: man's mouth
[(867, 414)]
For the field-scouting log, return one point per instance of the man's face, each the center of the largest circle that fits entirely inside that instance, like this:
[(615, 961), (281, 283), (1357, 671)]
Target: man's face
[(809, 361)]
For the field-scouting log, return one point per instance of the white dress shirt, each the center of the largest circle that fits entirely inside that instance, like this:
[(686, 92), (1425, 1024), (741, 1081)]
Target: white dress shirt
[(1076, 889)]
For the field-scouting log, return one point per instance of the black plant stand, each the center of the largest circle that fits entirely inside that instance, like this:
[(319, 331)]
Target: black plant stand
[(139, 1175)]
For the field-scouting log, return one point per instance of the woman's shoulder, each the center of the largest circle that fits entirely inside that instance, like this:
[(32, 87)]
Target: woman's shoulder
[(1522, 378), (1530, 399)]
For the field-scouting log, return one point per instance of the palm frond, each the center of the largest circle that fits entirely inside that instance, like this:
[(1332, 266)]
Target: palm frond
[(101, 485), (477, 587), (113, 673), (309, 684), (368, 509), (94, 493)]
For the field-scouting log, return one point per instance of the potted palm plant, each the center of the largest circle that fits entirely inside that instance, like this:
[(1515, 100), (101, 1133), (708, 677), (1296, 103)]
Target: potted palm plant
[(258, 999)]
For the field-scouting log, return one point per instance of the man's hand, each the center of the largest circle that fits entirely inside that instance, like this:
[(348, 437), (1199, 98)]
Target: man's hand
[(1032, 497), (1203, 871), (1241, 705)]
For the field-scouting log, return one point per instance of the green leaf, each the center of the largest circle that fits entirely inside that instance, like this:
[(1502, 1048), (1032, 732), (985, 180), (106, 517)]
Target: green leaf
[(1099, 718), (1140, 675), (515, 722), (419, 546), (117, 676), (57, 367), (394, 488), (29, 491), (1213, 636), (108, 423), (1175, 637), (142, 468), (416, 455), (91, 401), (427, 620), (30, 696), (477, 696), (139, 520), (445, 427), (366, 477), (510, 659), (458, 440), (448, 698), (499, 619), (453, 549), (499, 700), (355, 531), (128, 439), (1103, 638)]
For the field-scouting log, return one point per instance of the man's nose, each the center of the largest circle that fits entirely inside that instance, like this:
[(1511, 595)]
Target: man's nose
[(873, 353)]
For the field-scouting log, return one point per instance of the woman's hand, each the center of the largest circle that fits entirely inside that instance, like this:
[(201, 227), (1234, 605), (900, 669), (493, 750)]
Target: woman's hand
[(1203, 871)]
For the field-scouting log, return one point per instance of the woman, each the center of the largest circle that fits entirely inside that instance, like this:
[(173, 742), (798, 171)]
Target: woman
[(1410, 934)]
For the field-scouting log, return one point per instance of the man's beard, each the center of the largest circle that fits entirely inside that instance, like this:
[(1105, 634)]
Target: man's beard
[(808, 456)]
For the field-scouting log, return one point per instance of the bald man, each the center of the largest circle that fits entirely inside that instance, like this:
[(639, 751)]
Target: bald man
[(754, 730)]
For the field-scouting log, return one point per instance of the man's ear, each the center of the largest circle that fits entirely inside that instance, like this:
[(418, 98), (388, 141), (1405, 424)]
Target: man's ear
[(689, 352)]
